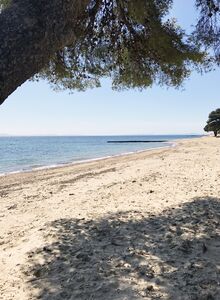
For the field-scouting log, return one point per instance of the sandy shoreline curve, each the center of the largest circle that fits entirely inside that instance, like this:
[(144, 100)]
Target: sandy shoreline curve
[(138, 226)]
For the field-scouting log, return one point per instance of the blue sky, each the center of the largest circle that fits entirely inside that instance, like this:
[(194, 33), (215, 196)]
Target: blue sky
[(35, 109)]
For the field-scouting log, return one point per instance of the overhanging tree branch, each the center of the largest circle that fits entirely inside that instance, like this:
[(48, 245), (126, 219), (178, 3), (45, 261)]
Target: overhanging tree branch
[(74, 43)]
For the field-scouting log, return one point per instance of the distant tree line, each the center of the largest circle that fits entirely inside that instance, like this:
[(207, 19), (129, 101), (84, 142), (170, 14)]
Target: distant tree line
[(213, 123)]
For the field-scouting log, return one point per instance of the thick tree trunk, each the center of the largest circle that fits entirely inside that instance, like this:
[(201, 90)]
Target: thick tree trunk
[(215, 133), (30, 33)]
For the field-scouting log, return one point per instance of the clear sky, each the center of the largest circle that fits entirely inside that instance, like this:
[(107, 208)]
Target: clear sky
[(35, 109)]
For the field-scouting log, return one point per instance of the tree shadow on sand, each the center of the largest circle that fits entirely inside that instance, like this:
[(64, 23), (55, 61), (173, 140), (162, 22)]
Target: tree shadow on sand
[(128, 255)]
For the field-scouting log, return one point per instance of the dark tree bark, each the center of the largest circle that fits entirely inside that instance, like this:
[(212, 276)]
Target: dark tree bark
[(215, 133), (30, 34)]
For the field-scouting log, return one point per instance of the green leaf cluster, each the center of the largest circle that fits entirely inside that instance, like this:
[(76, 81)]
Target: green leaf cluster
[(4, 3), (213, 123), (207, 30)]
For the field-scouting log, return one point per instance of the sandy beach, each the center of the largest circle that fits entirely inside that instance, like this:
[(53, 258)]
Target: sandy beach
[(140, 226)]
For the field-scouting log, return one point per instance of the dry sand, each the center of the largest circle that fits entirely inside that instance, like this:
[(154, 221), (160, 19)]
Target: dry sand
[(141, 226)]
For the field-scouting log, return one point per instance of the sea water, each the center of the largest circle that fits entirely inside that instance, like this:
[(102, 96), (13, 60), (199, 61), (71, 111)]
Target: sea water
[(27, 153)]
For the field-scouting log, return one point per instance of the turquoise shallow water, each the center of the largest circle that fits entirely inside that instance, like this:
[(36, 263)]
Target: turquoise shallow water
[(27, 153)]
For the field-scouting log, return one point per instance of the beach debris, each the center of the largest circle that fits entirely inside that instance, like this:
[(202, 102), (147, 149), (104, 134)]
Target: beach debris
[(37, 273), (14, 206), (204, 247), (47, 249), (150, 288)]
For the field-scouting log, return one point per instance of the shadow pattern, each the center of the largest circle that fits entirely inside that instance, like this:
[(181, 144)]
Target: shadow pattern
[(130, 255)]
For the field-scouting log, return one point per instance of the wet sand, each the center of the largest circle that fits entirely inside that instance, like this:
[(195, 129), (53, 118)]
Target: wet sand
[(140, 226)]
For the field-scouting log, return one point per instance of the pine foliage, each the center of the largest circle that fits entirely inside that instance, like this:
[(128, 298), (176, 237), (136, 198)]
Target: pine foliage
[(213, 123), (129, 41)]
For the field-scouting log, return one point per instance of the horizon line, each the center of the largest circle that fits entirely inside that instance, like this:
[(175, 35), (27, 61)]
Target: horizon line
[(93, 135)]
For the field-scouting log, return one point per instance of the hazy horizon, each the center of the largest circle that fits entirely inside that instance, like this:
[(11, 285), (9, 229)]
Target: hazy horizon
[(84, 135)]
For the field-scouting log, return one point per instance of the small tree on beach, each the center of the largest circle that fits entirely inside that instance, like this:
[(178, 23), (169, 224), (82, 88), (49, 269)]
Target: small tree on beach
[(213, 123)]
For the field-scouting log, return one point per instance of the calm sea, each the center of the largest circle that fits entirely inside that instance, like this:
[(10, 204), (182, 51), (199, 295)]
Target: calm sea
[(27, 153)]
